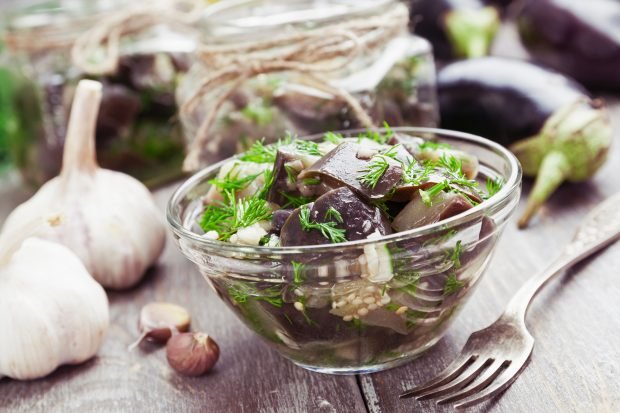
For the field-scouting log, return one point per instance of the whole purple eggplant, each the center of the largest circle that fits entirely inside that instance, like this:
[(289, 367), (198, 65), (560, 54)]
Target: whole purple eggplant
[(455, 28), (578, 38), (546, 119)]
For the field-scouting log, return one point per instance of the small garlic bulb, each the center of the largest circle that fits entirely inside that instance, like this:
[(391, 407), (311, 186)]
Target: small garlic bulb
[(106, 218), (52, 312)]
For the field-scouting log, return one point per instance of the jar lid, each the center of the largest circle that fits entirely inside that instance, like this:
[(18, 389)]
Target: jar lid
[(233, 19)]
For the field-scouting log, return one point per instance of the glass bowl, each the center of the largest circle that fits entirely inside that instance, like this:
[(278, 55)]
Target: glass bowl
[(317, 306)]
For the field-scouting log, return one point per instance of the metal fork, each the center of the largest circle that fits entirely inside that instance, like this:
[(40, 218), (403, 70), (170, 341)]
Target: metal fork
[(493, 358)]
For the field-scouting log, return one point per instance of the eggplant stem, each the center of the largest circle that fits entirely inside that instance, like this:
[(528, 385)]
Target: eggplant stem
[(471, 31), (553, 171), (79, 151)]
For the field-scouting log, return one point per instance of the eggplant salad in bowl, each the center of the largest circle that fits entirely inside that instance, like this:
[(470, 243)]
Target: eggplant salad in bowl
[(349, 252)]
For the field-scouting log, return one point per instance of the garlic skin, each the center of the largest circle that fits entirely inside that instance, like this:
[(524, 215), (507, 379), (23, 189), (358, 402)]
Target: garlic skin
[(51, 310), (108, 219)]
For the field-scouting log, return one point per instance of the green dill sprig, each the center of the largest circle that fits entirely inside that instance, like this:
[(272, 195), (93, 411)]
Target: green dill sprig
[(455, 257), (228, 219), (452, 284), (269, 179), (433, 145), (332, 214), (415, 173), (373, 172), (299, 271), (232, 183), (335, 138), (260, 153), (311, 181), (308, 147), (240, 293), (377, 166), (328, 229), (375, 135), (295, 201), (258, 112), (456, 180), (493, 187), (291, 173)]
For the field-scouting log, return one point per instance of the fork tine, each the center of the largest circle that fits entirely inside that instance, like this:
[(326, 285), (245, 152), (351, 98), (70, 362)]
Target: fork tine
[(479, 383), (470, 374), (503, 381), (454, 369)]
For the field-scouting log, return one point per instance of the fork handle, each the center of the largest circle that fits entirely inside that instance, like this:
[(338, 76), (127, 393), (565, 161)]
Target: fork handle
[(599, 228)]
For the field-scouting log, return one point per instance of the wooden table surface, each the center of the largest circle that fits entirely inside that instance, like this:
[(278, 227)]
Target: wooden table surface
[(575, 366)]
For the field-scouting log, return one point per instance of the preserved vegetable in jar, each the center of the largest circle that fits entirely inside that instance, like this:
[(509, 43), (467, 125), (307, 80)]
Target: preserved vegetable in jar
[(302, 67), (136, 52)]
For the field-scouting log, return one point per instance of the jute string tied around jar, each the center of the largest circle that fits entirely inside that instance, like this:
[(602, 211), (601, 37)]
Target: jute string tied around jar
[(106, 35), (95, 40), (314, 53)]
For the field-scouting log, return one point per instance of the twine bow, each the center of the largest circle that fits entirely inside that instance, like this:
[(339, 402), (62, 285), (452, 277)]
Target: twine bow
[(109, 31), (314, 53)]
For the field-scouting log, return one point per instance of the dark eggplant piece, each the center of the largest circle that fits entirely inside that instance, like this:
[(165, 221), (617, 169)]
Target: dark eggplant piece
[(285, 170), (546, 119), (455, 28), (359, 219), (578, 38), (278, 219), (344, 166)]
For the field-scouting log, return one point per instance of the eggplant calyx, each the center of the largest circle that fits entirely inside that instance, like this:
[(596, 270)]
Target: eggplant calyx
[(552, 173), (572, 145), (471, 31)]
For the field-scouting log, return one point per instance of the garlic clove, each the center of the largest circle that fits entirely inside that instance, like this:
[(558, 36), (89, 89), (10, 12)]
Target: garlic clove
[(192, 354), (107, 218), (159, 320), (54, 311)]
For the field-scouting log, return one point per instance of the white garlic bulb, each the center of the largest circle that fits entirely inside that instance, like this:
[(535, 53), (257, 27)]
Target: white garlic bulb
[(52, 312), (106, 218)]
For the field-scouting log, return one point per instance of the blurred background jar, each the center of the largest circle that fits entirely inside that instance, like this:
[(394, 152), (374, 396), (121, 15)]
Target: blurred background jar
[(304, 67), (136, 53)]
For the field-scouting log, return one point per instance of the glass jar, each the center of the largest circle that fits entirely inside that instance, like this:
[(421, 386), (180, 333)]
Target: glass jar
[(392, 80), (136, 129)]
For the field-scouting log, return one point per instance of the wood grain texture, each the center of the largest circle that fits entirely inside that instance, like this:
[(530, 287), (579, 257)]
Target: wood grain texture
[(575, 366), (249, 377)]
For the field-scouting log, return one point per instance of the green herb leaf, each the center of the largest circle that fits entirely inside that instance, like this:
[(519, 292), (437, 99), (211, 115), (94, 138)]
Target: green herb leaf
[(291, 173), (258, 112), (295, 201), (309, 147), (433, 145), (228, 219), (373, 172), (231, 183), (493, 187), (334, 138), (452, 284), (241, 293), (332, 214), (260, 153), (456, 255), (311, 181), (328, 229), (299, 270)]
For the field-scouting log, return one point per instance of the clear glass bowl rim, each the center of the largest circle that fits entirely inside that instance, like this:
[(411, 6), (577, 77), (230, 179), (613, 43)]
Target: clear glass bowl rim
[(510, 185)]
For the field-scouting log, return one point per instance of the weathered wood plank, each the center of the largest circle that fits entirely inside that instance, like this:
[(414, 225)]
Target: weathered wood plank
[(250, 377), (575, 366)]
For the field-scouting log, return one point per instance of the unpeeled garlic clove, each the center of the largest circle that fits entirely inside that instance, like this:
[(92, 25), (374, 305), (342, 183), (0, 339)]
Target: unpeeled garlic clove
[(192, 354), (159, 320), (107, 218)]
